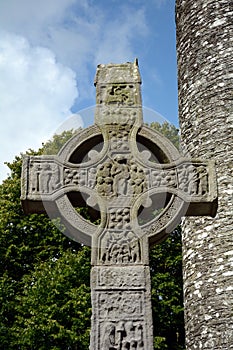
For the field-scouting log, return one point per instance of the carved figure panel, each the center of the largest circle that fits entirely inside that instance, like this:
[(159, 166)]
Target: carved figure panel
[(117, 277), (45, 177), (193, 179), (120, 94), (120, 177), (120, 247), (116, 306), (202, 181), (123, 335)]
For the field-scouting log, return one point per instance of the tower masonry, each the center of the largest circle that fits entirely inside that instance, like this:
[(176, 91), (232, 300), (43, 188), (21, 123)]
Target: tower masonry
[(205, 79)]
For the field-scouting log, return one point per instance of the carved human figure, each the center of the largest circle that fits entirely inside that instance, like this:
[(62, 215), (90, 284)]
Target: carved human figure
[(104, 180), (115, 250), (104, 170), (105, 247), (135, 251), (192, 181), (203, 180), (124, 254), (45, 178), (113, 139), (124, 335), (138, 186), (120, 248), (130, 341), (120, 334), (133, 339), (139, 336), (92, 177), (120, 174), (55, 180), (137, 179), (108, 186), (100, 186), (35, 172), (109, 337), (133, 171)]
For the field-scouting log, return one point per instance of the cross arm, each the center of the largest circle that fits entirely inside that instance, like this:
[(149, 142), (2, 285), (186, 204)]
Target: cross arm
[(192, 180), (45, 179), (34, 187), (46, 187)]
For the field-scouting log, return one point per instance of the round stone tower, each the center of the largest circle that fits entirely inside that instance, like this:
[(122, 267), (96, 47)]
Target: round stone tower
[(205, 78)]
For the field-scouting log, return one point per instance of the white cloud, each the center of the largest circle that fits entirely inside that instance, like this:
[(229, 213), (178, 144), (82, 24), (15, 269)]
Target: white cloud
[(20, 16), (36, 94), (80, 33), (115, 44)]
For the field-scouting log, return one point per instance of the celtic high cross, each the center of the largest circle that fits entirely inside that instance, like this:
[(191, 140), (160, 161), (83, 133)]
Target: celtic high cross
[(140, 185)]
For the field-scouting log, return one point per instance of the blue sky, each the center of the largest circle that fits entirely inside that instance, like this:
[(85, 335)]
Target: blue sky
[(48, 58)]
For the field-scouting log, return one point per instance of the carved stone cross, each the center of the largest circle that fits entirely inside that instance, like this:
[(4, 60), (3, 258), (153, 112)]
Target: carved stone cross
[(140, 185)]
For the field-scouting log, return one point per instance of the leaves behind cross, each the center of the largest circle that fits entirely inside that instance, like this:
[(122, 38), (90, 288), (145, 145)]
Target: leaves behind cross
[(44, 277)]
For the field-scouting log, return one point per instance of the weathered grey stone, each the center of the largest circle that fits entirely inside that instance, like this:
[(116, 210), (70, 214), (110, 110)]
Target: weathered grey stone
[(205, 61), (134, 170)]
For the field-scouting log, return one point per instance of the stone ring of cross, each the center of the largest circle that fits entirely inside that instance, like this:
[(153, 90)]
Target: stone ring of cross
[(138, 184), (129, 177)]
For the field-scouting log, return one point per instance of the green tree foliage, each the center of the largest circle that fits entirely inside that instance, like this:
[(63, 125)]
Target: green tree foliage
[(167, 293), (168, 130), (44, 278), (55, 308)]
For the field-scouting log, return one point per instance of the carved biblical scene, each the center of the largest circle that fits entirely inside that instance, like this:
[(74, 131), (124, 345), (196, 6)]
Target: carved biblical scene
[(123, 335), (120, 177), (120, 94), (45, 177), (120, 247), (193, 179), (119, 278), (114, 305)]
